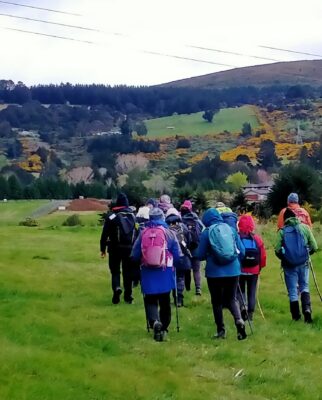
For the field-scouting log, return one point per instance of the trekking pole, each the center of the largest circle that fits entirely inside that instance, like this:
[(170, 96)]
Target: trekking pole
[(244, 305), (176, 294), (258, 303), (314, 278), (146, 315)]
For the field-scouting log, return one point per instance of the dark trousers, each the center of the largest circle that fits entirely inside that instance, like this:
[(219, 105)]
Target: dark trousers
[(117, 258), (248, 283), (224, 290), (158, 308)]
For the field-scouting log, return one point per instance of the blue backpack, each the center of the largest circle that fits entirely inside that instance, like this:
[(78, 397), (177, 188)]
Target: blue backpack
[(295, 250), (252, 252), (223, 243), (230, 218)]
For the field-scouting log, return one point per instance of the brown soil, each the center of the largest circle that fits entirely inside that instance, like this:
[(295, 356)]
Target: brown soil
[(88, 205)]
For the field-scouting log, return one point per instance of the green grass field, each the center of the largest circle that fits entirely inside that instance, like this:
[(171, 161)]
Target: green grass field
[(61, 338), (230, 119)]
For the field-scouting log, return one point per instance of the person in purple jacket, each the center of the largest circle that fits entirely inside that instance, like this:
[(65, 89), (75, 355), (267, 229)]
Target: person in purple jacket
[(158, 282), (222, 279)]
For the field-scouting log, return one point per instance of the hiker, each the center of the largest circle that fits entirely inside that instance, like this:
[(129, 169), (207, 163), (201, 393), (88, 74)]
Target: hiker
[(142, 215), (173, 219), (195, 227), (295, 243), (300, 212), (151, 203), (227, 214), (165, 203), (252, 264), (157, 248), (221, 247), (118, 236)]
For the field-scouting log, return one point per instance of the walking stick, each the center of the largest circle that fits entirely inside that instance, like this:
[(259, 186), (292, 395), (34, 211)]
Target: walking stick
[(176, 294), (314, 278), (258, 303), (244, 305), (146, 315)]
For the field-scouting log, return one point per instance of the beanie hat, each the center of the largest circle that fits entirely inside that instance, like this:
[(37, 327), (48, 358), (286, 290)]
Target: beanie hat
[(156, 213), (288, 213), (187, 204), (122, 200), (152, 202), (165, 199), (172, 211), (293, 198)]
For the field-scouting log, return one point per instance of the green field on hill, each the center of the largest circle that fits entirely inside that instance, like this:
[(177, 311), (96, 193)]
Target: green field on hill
[(61, 338), (229, 119)]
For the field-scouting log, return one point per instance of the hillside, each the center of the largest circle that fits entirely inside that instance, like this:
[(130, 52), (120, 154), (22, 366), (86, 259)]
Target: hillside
[(306, 72)]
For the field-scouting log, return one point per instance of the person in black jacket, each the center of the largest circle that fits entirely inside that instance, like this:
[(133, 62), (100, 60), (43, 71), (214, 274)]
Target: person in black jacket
[(118, 236)]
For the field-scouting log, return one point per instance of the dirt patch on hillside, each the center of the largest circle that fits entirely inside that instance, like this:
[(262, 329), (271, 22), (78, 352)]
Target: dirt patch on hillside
[(88, 205)]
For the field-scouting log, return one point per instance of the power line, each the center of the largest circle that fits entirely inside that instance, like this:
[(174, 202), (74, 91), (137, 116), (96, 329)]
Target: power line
[(233, 53), (59, 24), (291, 51), (41, 8), (97, 43), (47, 35)]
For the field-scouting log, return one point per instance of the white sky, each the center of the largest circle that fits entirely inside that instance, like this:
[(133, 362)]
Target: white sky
[(162, 26)]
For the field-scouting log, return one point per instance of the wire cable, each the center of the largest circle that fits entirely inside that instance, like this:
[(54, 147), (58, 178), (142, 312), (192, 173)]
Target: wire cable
[(291, 51), (60, 24), (41, 8)]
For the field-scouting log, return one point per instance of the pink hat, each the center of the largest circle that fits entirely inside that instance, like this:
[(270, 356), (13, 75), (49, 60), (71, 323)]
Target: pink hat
[(187, 204)]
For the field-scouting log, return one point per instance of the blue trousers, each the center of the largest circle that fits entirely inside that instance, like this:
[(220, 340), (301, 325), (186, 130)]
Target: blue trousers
[(296, 280)]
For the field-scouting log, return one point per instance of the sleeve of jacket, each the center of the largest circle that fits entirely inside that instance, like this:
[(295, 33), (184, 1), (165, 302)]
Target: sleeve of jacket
[(136, 252), (310, 239), (240, 246), (105, 235), (280, 219), (308, 220), (278, 244), (202, 249), (174, 247), (260, 244)]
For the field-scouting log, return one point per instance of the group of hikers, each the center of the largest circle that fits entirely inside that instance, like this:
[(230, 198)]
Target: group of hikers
[(158, 246)]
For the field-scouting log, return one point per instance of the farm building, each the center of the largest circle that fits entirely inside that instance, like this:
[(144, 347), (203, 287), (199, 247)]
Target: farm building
[(256, 192)]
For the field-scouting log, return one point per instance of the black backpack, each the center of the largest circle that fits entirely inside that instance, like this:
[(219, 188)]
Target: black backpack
[(180, 235), (194, 230), (125, 228)]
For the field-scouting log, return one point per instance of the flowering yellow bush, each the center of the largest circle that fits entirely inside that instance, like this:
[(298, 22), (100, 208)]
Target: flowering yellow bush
[(197, 158), (32, 164)]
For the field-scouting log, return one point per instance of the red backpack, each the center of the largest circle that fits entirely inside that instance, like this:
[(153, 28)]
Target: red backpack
[(154, 247)]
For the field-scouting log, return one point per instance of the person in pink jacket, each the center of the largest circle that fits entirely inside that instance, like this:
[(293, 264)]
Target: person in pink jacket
[(251, 265)]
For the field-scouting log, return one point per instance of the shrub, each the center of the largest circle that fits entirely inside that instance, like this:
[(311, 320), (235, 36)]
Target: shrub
[(183, 144), (29, 222), (72, 220)]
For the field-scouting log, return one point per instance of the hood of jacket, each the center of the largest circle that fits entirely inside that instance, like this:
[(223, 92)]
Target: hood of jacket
[(292, 221), (211, 216), (246, 224)]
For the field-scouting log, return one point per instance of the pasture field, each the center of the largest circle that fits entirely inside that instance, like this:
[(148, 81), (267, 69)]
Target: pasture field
[(229, 119), (61, 338)]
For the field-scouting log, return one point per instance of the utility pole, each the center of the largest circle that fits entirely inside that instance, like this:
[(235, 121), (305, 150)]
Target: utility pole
[(298, 139)]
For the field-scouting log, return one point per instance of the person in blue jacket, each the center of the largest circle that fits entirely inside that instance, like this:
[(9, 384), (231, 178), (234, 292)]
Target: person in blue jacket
[(222, 279), (157, 283)]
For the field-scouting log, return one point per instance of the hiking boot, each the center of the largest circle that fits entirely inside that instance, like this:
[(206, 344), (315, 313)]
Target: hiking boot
[(295, 310), (306, 307), (157, 331), (164, 335), (198, 292), (243, 313), (116, 295), (180, 302), (220, 334), (241, 331), (128, 299)]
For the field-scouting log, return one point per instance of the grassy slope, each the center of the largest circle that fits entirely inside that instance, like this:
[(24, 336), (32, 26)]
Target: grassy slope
[(61, 338), (230, 119)]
